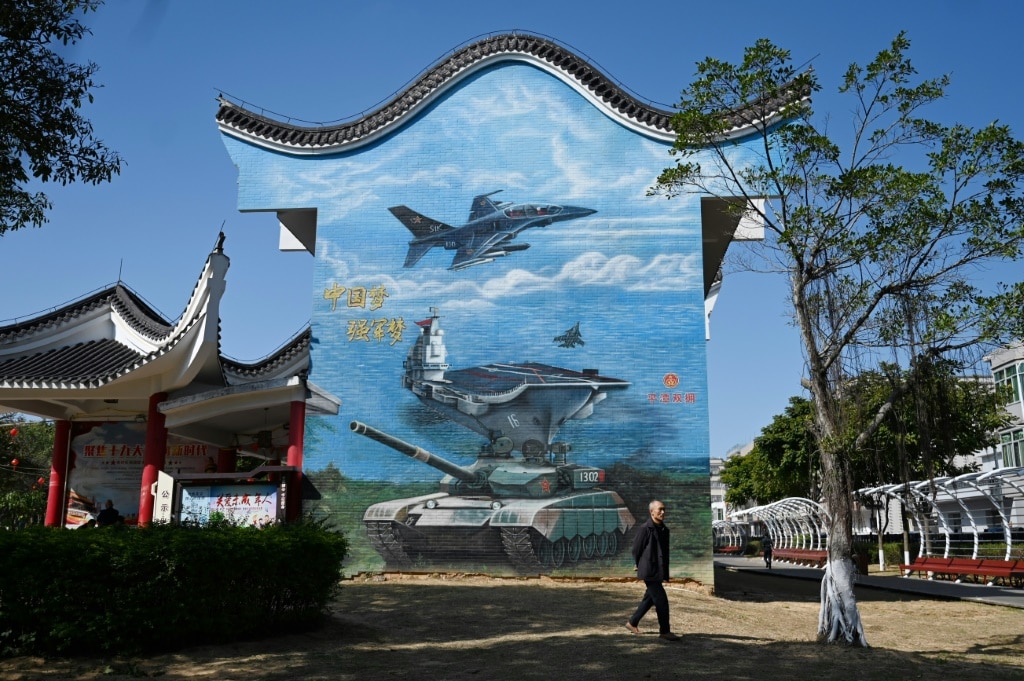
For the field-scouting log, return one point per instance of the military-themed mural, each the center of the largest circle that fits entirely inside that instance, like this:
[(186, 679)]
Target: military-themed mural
[(511, 408)]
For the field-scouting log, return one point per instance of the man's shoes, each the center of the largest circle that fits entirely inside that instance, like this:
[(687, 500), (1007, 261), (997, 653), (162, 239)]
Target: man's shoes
[(633, 629), (669, 636)]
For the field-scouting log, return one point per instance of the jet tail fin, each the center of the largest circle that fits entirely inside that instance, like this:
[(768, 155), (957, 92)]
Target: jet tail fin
[(419, 225)]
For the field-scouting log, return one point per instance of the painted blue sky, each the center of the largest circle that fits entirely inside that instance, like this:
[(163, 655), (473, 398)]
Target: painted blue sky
[(162, 65), (629, 273)]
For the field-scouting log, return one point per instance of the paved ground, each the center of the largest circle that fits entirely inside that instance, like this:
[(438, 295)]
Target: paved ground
[(935, 588)]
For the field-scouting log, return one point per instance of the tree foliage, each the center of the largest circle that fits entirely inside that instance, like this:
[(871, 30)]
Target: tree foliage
[(25, 451), (962, 414), (881, 233), (782, 462), (42, 132)]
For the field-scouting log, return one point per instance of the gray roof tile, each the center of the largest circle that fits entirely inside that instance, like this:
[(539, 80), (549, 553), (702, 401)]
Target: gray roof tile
[(88, 363)]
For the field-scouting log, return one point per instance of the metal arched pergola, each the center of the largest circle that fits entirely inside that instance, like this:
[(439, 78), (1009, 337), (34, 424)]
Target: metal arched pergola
[(973, 497), (792, 523), (729, 537)]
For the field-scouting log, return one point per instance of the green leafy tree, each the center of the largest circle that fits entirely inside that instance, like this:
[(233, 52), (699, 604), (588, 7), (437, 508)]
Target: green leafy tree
[(25, 451), (881, 235), (782, 462), (939, 417), (42, 133), (964, 414)]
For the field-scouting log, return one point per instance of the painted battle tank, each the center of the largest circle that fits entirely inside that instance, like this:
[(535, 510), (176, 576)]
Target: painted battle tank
[(540, 512)]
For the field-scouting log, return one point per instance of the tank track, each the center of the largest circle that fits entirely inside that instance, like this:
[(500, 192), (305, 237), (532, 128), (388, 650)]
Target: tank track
[(531, 553), (387, 543), (518, 547)]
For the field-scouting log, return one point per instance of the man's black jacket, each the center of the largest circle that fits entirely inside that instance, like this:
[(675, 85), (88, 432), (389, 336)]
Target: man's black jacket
[(650, 552)]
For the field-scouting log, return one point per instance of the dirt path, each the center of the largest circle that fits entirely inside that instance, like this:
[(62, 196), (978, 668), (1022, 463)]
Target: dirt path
[(460, 628)]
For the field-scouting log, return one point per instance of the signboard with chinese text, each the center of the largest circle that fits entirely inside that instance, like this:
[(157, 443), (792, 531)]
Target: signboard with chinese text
[(253, 505)]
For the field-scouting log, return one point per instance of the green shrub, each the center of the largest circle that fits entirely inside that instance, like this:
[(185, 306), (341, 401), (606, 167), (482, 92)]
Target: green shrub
[(124, 590)]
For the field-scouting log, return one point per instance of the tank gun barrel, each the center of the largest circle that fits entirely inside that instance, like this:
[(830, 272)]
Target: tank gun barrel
[(414, 452)]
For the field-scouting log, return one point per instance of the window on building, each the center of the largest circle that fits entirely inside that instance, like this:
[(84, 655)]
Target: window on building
[(1013, 448), (1012, 376)]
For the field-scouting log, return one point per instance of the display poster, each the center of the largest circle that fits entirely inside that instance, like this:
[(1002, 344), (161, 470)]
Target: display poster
[(105, 464)]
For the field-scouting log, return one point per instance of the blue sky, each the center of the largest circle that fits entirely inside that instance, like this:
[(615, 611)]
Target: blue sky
[(163, 63)]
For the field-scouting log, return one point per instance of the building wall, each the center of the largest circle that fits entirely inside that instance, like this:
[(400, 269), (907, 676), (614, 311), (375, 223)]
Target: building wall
[(1008, 372), (629, 274)]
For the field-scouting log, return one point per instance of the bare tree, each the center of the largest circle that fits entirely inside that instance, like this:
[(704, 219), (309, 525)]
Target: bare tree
[(905, 213)]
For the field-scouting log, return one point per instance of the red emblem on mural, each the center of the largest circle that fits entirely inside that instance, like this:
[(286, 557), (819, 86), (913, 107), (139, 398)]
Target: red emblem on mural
[(671, 380)]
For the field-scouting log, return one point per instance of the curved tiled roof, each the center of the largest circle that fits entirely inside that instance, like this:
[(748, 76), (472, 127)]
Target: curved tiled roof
[(130, 306), (435, 79), (293, 349), (87, 363), (261, 129)]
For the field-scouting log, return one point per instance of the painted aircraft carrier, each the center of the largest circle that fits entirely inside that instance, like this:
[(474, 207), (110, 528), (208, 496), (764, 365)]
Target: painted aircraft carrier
[(522, 406)]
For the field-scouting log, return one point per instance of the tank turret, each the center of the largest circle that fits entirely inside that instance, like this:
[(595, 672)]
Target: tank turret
[(497, 473)]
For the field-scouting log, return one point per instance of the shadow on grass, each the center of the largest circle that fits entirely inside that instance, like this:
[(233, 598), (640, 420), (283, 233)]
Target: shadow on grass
[(466, 629)]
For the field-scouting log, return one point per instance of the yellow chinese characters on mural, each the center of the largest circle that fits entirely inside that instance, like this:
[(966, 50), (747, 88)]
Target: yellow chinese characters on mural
[(356, 296)]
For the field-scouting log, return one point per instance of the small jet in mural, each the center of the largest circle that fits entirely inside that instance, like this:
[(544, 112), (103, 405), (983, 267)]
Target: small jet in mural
[(491, 225), (570, 338)]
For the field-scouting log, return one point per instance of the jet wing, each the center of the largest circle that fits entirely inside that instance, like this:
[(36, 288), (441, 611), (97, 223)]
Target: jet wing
[(473, 251)]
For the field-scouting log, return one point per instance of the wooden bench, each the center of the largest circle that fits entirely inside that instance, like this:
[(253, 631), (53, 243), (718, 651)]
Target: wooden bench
[(1011, 571), (809, 557), (729, 549), (925, 565), (1008, 570)]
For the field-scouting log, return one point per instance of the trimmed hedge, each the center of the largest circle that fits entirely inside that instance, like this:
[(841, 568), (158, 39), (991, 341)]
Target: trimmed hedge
[(126, 590)]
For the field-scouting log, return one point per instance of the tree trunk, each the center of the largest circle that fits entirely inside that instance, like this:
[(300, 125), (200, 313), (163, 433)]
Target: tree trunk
[(839, 619)]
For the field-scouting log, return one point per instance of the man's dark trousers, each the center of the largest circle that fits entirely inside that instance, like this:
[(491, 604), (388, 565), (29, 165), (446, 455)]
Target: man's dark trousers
[(654, 596)]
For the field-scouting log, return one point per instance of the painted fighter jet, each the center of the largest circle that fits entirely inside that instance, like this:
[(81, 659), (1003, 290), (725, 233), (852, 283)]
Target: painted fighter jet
[(570, 338), (491, 225)]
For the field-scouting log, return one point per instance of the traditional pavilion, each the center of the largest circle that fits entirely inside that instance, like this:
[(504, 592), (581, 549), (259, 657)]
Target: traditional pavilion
[(110, 360)]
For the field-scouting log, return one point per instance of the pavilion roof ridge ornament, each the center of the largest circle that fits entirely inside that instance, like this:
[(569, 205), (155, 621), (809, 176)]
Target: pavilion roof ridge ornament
[(585, 77)]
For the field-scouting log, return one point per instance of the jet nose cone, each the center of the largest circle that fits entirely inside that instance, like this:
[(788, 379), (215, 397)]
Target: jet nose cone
[(577, 211)]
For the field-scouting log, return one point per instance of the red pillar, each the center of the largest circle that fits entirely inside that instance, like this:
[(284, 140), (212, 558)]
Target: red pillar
[(153, 458), (227, 458), (296, 435), (56, 496)]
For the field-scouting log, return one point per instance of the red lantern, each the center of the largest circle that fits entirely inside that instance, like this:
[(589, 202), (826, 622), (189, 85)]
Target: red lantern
[(14, 462), (14, 432), (41, 481)]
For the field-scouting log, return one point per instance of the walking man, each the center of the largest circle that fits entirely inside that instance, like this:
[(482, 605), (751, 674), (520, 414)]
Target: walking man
[(650, 553)]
